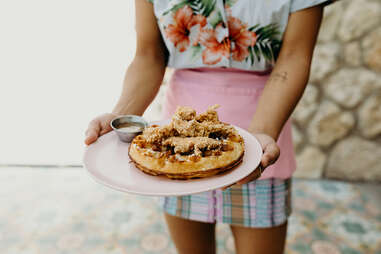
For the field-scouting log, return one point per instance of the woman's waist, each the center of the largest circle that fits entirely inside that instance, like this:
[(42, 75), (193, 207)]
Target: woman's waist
[(220, 80)]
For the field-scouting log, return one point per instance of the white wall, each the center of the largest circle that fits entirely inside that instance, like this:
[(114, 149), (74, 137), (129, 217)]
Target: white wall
[(61, 63)]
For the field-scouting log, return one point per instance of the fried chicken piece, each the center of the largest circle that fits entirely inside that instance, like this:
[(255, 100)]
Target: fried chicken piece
[(195, 144), (157, 134), (206, 144), (186, 128), (204, 129), (188, 124), (183, 121), (220, 129), (180, 144), (209, 115), (184, 113)]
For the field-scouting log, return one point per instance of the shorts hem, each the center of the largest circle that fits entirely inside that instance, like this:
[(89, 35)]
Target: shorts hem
[(231, 223)]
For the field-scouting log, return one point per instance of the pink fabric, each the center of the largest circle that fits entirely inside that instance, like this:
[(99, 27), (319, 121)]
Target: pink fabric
[(237, 91)]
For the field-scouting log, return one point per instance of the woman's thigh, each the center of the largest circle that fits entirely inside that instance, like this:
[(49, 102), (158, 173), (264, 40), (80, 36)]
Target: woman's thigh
[(259, 240), (191, 237)]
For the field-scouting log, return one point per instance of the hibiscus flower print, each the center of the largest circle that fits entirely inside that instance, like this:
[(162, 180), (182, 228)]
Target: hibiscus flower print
[(186, 28), (241, 39), (216, 45), (237, 43), (252, 43)]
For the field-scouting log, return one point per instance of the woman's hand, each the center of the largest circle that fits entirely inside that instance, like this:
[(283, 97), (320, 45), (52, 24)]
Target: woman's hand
[(271, 153), (98, 127)]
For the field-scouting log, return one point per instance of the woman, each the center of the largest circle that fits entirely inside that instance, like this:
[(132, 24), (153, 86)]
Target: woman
[(252, 58)]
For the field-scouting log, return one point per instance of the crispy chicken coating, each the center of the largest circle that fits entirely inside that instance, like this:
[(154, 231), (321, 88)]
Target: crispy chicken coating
[(184, 113), (209, 115), (195, 144), (157, 134), (191, 133)]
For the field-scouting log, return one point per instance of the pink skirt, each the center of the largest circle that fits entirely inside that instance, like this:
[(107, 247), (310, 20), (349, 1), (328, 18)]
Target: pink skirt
[(237, 91)]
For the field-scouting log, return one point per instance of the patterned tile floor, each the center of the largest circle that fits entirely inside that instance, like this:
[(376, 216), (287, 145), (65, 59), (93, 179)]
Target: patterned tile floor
[(63, 211)]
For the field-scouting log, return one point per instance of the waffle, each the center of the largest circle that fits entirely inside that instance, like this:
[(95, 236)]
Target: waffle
[(190, 146)]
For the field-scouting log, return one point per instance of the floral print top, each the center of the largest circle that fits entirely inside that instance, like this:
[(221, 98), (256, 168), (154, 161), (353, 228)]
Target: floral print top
[(243, 34)]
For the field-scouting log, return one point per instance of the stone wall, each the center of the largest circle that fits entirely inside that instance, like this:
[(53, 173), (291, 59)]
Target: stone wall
[(337, 123)]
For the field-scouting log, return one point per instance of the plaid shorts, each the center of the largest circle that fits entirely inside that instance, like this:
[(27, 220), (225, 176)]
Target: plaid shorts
[(261, 204)]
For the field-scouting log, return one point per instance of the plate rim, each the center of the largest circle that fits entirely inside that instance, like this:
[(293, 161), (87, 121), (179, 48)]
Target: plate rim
[(158, 194)]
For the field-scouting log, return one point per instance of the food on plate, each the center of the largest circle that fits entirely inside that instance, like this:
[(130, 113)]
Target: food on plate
[(190, 146)]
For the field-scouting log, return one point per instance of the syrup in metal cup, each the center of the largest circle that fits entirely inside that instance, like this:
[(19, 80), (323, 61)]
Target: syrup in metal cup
[(128, 126)]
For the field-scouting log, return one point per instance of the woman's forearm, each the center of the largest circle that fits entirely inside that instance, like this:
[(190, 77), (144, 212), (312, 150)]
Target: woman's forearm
[(290, 75), (141, 84), (281, 94)]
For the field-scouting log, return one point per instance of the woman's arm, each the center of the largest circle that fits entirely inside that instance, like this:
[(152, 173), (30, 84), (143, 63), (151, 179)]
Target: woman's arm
[(285, 85), (290, 75), (143, 76)]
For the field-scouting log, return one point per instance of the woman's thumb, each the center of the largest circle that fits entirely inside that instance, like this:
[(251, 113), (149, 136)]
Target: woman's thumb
[(91, 137)]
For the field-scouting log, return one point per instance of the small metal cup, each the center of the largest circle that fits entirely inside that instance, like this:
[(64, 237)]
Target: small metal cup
[(127, 136)]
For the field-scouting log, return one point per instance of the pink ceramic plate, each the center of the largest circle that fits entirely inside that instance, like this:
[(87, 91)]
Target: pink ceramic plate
[(108, 163)]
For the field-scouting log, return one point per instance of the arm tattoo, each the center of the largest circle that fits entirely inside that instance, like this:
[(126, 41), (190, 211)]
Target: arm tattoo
[(282, 76)]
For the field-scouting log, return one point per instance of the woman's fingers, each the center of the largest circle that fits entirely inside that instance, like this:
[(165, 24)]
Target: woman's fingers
[(92, 132), (105, 129), (98, 127), (91, 138), (253, 176), (270, 154), (105, 123), (226, 187)]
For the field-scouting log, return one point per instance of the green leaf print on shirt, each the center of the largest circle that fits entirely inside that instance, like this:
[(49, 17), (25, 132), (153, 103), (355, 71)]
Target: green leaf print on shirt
[(229, 2), (215, 18), (196, 51), (267, 44), (203, 7)]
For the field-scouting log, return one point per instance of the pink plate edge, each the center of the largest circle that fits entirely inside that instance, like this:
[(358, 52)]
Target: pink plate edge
[(158, 194)]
